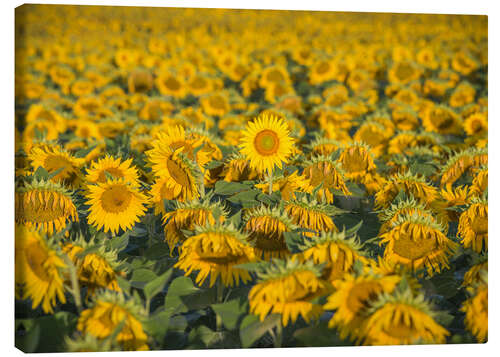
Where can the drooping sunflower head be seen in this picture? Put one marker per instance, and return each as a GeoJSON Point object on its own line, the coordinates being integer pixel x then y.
{"type": "Point", "coordinates": [309, 213]}
{"type": "Point", "coordinates": [374, 134]}
{"type": "Point", "coordinates": [44, 205]}
{"type": "Point", "coordinates": [417, 241]}
{"type": "Point", "coordinates": [352, 297]}
{"type": "Point", "coordinates": [461, 162]}
{"type": "Point", "coordinates": [357, 160]}
{"type": "Point", "coordinates": [480, 181]}
{"type": "Point", "coordinates": [325, 171]}
{"type": "Point", "coordinates": [288, 288]}
{"type": "Point", "coordinates": [115, 204]}
{"type": "Point", "coordinates": [267, 143]}
{"type": "Point", "coordinates": [107, 311]}
{"type": "Point", "coordinates": [188, 215]}
{"type": "Point", "coordinates": [110, 167]}
{"type": "Point", "coordinates": [412, 185]}
{"type": "Point", "coordinates": [287, 184]}
{"type": "Point", "coordinates": [408, 206]}
{"type": "Point", "coordinates": [215, 250]}
{"type": "Point", "coordinates": [237, 168]}
{"type": "Point", "coordinates": [39, 269]}
{"type": "Point", "coordinates": [54, 160]}
{"type": "Point", "coordinates": [321, 145]}
{"type": "Point", "coordinates": [265, 227]}
{"type": "Point", "coordinates": [473, 225]}
{"type": "Point", "coordinates": [337, 250]}
{"type": "Point", "coordinates": [402, 318]}
{"type": "Point", "coordinates": [96, 270]}
{"type": "Point", "coordinates": [476, 308]}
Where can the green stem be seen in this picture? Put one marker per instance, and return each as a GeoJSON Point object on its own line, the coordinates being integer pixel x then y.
{"type": "Point", "coordinates": [75, 288]}
{"type": "Point", "coordinates": [270, 183]}
{"type": "Point", "coordinates": [279, 336]}
{"type": "Point", "coordinates": [220, 296]}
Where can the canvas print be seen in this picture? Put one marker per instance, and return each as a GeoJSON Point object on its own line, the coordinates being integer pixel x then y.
{"type": "Point", "coordinates": [215, 178]}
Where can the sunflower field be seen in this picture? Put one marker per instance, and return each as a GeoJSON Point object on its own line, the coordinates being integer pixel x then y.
{"type": "Point", "coordinates": [211, 178]}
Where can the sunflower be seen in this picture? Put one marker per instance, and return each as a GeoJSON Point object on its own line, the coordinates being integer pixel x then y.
{"type": "Point", "coordinates": [44, 205]}
{"type": "Point", "coordinates": [323, 170]}
{"type": "Point", "coordinates": [442, 120]}
{"type": "Point", "coordinates": [322, 71]}
{"type": "Point", "coordinates": [273, 74]}
{"type": "Point", "coordinates": [140, 81]}
{"type": "Point", "coordinates": [159, 192]}
{"type": "Point", "coordinates": [310, 214]}
{"type": "Point", "coordinates": [114, 169]}
{"type": "Point", "coordinates": [375, 135]}
{"type": "Point", "coordinates": [155, 108]}
{"type": "Point", "coordinates": [266, 143]}
{"type": "Point", "coordinates": [216, 250]}
{"type": "Point", "coordinates": [473, 276]}
{"type": "Point", "coordinates": [463, 63]}
{"type": "Point", "coordinates": [351, 298]}
{"type": "Point", "coordinates": [87, 129]}
{"type": "Point", "coordinates": [287, 184]}
{"type": "Point", "coordinates": [473, 225]}
{"type": "Point", "coordinates": [461, 162]}
{"type": "Point", "coordinates": [357, 161]}
{"type": "Point", "coordinates": [417, 242]}
{"type": "Point", "coordinates": [451, 198]}
{"type": "Point", "coordinates": [408, 206]}
{"type": "Point", "coordinates": [115, 204]}
{"type": "Point", "coordinates": [38, 270]}
{"type": "Point", "coordinates": [169, 84]}
{"type": "Point", "coordinates": [476, 309]}
{"type": "Point", "coordinates": [44, 113]}
{"type": "Point", "coordinates": [404, 72]}
{"type": "Point", "coordinates": [215, 104]}
{"type": "Point", "coordinates": [476, 124]}
{"type": "Point", "coordinates": [411, 184]}
{"type": "Point", "coordinates": [54, 160]}
{"type": "Point", "coordinates": [174, 166]}
{"type": "Point", "coordinates": [199, 85]}
{"type": "Point", "coordinates": [337, 250]}
{"type": "Point", "coordinates": [402, 319]}
{"type": "Point", "coordinates": [237, 168]}
{"type": "Point", "coordinates": [324, 146]}
{"type": "Point", "coordinates": [480, 182]}
{"type": "Point", "coordinates": [265, 227]}
{"type": "Point", "coordinates": [189, 214]}
{"type": "Point", "coordinates": [106, 312]}
{"type": "Point", "coordinates": [288, 288]}
{"type": "Point", "coordinates": [404, 117]}
{"type": "Point", "coordinates": [95, 270]}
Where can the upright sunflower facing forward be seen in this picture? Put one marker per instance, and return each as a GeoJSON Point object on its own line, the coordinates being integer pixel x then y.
{"type": "Point", "coordinates": [114, 205]}
{"type": "Point", "coordinates": [267, 143]}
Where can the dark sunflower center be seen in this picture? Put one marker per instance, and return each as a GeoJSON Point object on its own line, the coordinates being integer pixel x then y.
{"type": "Point", "coordinates": [407, 248]}
{"type": "Point", "coordinates": [266, 142]}
{"type": "Point", "coordinates": [116, 199]}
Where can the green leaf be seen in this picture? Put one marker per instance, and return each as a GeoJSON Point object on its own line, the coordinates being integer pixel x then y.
{"type": "Point", "coordinates": [246, 198]}
{"type": "Point", "coordinates": [56, 172]}
{"type": "Point", "coordinates": [119, 243]}
{"type": "Point", "coordinates": [141, 277]}
{"type": "Point", "coordinates": [318, 336]}
{"type": "Point", "coordinates": [41, 174]}
{"type": "Point", "coordinates": [180, 286]}
{"type": "Point", "coordinates": [84, 152]}
{"type": "Point", "coordinates": [213, 164]}
{"type": "Point", "coordinates": [293, 241]}
{"type": "Point", "coordinates": [355, 190]}
{"type": "Point", "coordinates": [156, 286]}
{"type": "Point", "coordinates": [124, 284]}
{"type": "Point", "coordinates": [236, 219]}
{"type": "Point", "coordinates": [229, 188]}
{"type": "Point", "coordinates": [204, 334]}
{"type": "Point", "coordinates": [28, 341]}
{"type": "Point", "coordinates": [53, 329]}
{"type": "Point", "coordinates": [158, 324]}
{"type": "Point", "coordinates": [231, 312]}
{"type": "Point", "coordinates": [251, 328]}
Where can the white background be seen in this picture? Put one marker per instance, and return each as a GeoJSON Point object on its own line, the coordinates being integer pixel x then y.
{"type": "Point", "coordinates": [477, 7]}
